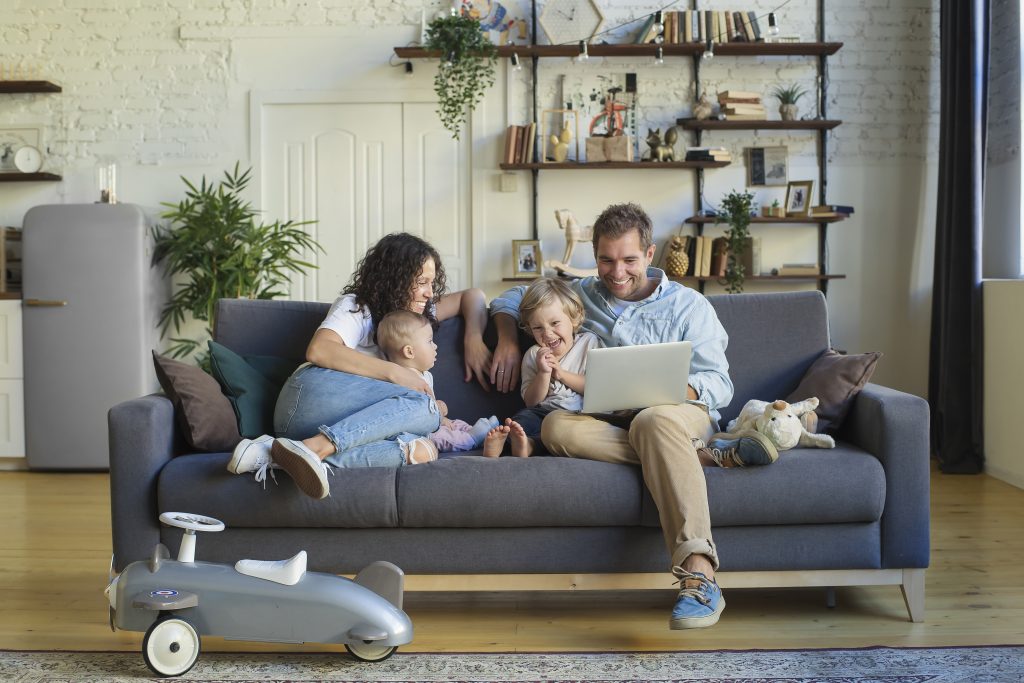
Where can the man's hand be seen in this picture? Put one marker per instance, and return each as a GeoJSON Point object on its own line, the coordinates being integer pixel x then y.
{"type": "Point", "coordinates": [505, 366]}
{"type": "Point", "coordinates": [478, 362]}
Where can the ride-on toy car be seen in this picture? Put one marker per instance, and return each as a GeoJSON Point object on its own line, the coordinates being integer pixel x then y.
{"type": "Point", "coordinates": [177, 601]}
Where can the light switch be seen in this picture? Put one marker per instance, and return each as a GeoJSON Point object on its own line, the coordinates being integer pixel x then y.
{"type": "Point", "coordinates": [509, 182]}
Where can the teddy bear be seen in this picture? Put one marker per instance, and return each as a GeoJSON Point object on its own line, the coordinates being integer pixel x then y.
{"type": "Point", "coordinates": [787, 424]}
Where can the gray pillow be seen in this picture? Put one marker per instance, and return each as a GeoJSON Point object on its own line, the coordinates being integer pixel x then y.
{"type": "Point", "coordinates": [835, 379]}
{"type": "Point", "coordinates": [204, 413]}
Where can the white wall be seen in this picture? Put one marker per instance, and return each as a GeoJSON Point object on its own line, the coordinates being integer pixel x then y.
{"type": "Point", "coordinates": [164, 85]}
{"type": "Point", "coordinates": [1004, 376]}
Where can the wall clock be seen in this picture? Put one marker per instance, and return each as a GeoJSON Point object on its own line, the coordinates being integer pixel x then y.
{"type": "Point", "coordinates": [566, 22]}
{"type": "Point", "coordinates": [28, 159]}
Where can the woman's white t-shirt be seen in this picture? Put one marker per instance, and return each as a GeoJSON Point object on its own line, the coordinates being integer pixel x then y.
{"type": "Point", "coordinates": [354, 324]}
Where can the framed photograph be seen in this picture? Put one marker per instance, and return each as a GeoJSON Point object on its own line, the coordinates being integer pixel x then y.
{"type": "Point", "coordinates": [767, 166]}
{"type": "Point", "coordinates": [14, 137]}
{"type": "Point", "coordinates": [798, 197]}
{"type": "Point", "coordinates": [526, 258]}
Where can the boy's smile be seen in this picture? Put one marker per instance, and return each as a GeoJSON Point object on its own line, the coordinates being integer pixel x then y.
{"type": "Point", "coordinates": [552, 329]}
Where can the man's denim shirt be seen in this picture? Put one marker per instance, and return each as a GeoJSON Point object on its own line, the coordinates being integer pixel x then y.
{"type": "Point", "coordinates": [671, 313]}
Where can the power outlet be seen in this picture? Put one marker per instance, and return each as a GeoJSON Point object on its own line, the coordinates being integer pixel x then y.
{"type": "Point", "coordinates": [509, 182]}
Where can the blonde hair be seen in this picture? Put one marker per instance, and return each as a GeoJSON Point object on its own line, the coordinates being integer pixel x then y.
{"type": "Point", "coordinates": [396, 329]}
{"type": "Point", "coordinates": [547, 290]}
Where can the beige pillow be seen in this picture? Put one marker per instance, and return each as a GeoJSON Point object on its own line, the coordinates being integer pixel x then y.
{"type": "Point", "coordinates": [835, 379]}
{"type": "Point", "coordinates": [204, 413]}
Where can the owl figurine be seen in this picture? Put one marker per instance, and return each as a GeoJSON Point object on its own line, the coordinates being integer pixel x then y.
{"type": "Point", "coordinates": [676, 260]}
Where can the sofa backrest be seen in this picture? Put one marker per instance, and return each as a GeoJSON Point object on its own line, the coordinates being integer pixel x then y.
{"type": "Point", "coordinates": [773, 339]}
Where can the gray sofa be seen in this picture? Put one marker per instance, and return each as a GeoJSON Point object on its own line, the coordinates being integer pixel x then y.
{"type": "Point", "coordinates": [855, 515]}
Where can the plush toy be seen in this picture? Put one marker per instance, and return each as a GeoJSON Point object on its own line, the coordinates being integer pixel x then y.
{"type": "Point", "coordinates": [787, 425]}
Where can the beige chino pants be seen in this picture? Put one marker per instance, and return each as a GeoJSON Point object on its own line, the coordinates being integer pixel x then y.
{"type": "Point", "coordinates": [659, 441]}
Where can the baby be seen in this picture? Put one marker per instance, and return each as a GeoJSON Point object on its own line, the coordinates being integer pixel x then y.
{"type": "Point", "coordinates": [407, 339]}
{"type": "Point", "coordinates": [553, 370]}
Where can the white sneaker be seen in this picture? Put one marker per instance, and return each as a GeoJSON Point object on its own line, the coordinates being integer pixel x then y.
{"type": "Point", "coordinates": [250, 454]}
{"type": "Point", "coordinates": [305, 468]}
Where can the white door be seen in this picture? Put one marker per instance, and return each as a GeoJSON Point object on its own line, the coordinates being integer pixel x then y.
{"type": "Point", "coordinates": [362, 170]}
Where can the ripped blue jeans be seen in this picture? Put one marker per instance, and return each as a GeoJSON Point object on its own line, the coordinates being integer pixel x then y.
{"type": "Point", "coordinates": [366, 419]}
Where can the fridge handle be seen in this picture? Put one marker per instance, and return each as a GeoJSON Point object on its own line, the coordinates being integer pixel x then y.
{"type": "Point", "coordinates": [45, 302]}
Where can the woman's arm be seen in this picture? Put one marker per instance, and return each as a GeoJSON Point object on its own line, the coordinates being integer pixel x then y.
{"type": "Point", "coordinates": [327, 350]}
{"type": "Point", "coordinates": [472, 304]}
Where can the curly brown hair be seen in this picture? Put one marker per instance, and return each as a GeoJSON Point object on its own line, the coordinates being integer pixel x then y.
{"type": "Point", "coordinates": [387, 272]}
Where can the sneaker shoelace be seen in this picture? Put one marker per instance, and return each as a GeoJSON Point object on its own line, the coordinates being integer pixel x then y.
{"type": "Point", "coordinates": [724, 457]}
{"type": "Point", "coordinates": [265, 464]}
{"type": "Point", "coordinates": [696, 587]}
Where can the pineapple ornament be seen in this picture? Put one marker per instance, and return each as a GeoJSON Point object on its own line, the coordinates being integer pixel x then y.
{"type": "Point", "coordinates": [676, 260]}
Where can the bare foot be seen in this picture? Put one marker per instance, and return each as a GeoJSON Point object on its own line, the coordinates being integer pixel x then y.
{"type": "Point", "coordinates": [494, 442]}
{"type": "Point", "coordinates": [522, 445]}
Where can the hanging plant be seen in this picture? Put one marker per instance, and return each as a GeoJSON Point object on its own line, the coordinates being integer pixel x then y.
{"type": "Point", "coordinates": [736, 208]}
{"type": "Point", "coordinates": [467, 67]}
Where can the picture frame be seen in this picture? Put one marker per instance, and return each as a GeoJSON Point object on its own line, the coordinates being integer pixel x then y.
{"type": "Point", "coordinates": [12, 137]}
{"type": "Point", "coordinates": [767, 166]}
{"type": "Point", "coordinates": [798, 197]}
{"type": "Point", "coordinates": [526, 259]}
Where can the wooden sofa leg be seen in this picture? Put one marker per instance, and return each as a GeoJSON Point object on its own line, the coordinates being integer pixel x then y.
{"type": "Point", "coordinates": [913, 593]}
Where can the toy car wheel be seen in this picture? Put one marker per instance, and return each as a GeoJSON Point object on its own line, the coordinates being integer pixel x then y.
{"type": "Point", "coordinates": [171, 646]}
{"type": "Point", "coordinates": [370, 652]}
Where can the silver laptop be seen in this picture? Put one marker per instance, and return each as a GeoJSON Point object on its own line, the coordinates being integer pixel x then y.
{"type": "Point", "coordinates": [635, 377]}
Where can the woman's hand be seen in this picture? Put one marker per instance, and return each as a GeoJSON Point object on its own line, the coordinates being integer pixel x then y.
{"type": "Point", "coordinates": [409, 378]}
{"type": "Point", "coordinates": [478, 361]}
{"type": "Point", "coordinates": [505, 366]}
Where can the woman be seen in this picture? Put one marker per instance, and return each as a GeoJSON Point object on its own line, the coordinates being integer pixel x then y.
{"type": "Point", "coordinates": [349, 406]}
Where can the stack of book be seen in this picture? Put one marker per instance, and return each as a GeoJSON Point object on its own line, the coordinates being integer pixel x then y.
{"type": "Point", "coordinates": [708, 154]}
{"type": "Point", "coordinates": [800, 269]}
{"type": "Point", "coordinates": [701, 26]}
{"type": "Point", "coordinates": [709, 257]}
{"type": "Point", "coordinates": [831, 211]}
{"type": "Point", "coordinates": [519, 144]}
{"type": "Point", "coordinates": [741, 105]}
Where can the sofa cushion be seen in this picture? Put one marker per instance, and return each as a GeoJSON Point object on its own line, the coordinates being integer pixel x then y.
{"type": "Point", "coordinates": [835, 379]}
{"type": "Point", "coordinates": [805, 486]}
{"type": "Point", "coordinates": [473, 491]}
{"type": "Point", "coordinates": [204, 413]}
{"type": "Point", "coordinates": [252, 384]}
{"type": "Point", "coordinates": [199, 483]}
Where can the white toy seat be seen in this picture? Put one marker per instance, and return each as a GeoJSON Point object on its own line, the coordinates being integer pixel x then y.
{"type": "Point", "coordinates": [287, 572]}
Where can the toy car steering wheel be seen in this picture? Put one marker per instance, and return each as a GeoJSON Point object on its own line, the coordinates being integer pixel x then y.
{"type": "Point", "coordinates": [191, 524]}
{"type": "Point", "coordinates": [187, 520]}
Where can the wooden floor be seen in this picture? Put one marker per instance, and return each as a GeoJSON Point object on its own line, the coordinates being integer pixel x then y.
{"type": "Point", "coordinates": [55, 554]}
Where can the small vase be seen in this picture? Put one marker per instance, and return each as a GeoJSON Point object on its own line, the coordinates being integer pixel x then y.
{"type": "Point", "coordinates": [788, 112]}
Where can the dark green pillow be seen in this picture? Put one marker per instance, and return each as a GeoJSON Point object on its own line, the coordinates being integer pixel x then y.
{"type": "Point", "coordinates": [251, 384]}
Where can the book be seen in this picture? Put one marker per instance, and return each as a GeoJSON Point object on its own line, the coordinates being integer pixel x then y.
{"type": "Point", "coordinates": [800, 269]}
{"type": "Point", "coordinates": [832, 208]}
{"type": "Point", "coordinates": [698, 258]}
{"type": "Point", "coordinates": [520, 142]}
{"type": "Point", "coordinates": [719, 257]}
{"type": "Point", "coordinates": [737, 22]}
{"type": "Point", "coordinates": [510, 144]}
{"type": "Point", "coordinates": [730, 31]}
{"type": "Point", "coordinates": [531, 135]}
{"type": "Point", "coordinates": [744, 109]}
{"type": "Point", "coordinates": [748, 27]}
{"type": "Point", "coordinates": [756, 26]}
{"type": "Point", "coordinates": [705, 267]}
{"type": "Point", "coordinates": [691, 254]}
{"type": "Point", "coordinates": [739, 95]}
{"type": "Point", "coordinates": [697, 28]}
{"type": "Point", "coordinates": [709, 26]}
{"type": "Point", "coordinates": [746, 117]}
{"type": "Point", "coordinates": [687, 25]}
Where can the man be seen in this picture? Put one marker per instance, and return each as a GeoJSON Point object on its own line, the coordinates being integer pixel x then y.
{"type": "Point", "coordinates": [628, 303]}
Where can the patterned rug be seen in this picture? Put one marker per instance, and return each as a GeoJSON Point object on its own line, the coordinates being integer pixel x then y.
{"type": "Point", "coordinates": [871, 665]}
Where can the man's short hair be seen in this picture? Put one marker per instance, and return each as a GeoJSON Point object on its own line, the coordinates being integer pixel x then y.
{"type": "Point", "coordinates": [550, 290]}
{"type": "Point", "coordinates": [618, 219]}
{"type": "Point", "coordinates": [396, 329]}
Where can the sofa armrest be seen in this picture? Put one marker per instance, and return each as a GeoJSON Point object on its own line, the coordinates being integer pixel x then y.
{"type": "Point", "coordinates": [141, 443]}
{"type": "Point", "coordinates": [893, 426]}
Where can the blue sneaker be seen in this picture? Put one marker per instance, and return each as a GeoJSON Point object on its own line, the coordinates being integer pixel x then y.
{"type": "Point", "coordinates": [742, 449]}
{"type": "Point", "coordinates": [700, 602]}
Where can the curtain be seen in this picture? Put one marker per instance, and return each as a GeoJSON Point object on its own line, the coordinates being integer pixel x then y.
{"type": "Point", "coordinates": [955, 363]}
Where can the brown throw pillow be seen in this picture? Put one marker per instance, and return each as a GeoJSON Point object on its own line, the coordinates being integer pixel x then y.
{"type": "Point", "coordinates": [204, 413]}
{"type": "Point", "coordinates": [835, 379]}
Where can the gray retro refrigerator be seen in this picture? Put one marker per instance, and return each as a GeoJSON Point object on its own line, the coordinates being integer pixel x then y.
{"type": "Point", "coordinates": [90, 303]}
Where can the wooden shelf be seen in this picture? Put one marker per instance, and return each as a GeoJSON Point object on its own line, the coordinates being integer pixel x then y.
{"type": "Point", "coordinates": [715, 124]}
{"type": "Point", "coordinates": [27, 177]}
{"type": "Point", "coordinates": [632, 50]}
{"type": "Point", "coordinates": [12, 295]}
{"type": "Point", "coordinates": [28, 86]}
{"type": "Point", "coordinates": [613, 165]}
{"type": "Point", "coordinates": [704, 220]}
{"type": "Point", "coordinates": [813, 278]}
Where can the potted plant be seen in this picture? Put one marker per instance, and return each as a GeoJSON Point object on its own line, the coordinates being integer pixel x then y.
{"type": "Point", "coordinates": [788, 97]}
{"type": "Point", "coordinates": [773, 211]}
{"type": "Point", "coordinates": [467, 67]}
{"type": "Point", "coordinates": [736, 208]}
{"type": "Point", "coordinates": [215, 247]}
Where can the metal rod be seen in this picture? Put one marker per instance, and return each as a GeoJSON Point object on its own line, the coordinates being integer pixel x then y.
{"type": "Point", "coordinates": [822, 147]}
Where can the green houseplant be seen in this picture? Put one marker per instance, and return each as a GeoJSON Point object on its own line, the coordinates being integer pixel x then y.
{"type": "Point", "coordinates": [736, 208]}
{"type": "Point", "coordinates": [468, 60]}
{"type": "Point", "coordinates": [788, 97]}
{"type": "Point", "coordinates": [215, 247]}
